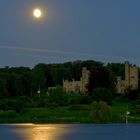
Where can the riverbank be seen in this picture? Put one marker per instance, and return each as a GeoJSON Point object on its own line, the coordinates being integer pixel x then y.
{"type": "Point", "coordinates": [75, 114]}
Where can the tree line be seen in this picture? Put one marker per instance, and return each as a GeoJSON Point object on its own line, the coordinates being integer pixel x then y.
{"type": "Point", "coordinates": [19, 88]}
{"type": "Point", "coordinates": [25, 81]}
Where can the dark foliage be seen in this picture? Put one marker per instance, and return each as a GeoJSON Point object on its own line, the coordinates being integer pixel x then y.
{"type": "Point", "coordinates": [24, 81]}
{"type": "Point", "coordinates": [102, 94]}
{"type": "Point", "coordinates": [132, 94]}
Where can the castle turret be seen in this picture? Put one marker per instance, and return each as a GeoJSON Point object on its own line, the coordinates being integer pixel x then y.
{"type": "Point", "coordinates": [127, 74]}
{"type": "Point", "coordinates": [131, 79]}
{"type": "Point", "coordinates": [85, 78]}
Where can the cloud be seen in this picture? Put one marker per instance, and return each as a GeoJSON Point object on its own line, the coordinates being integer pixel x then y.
{"type": "Point", "coordinates": [45, 50]}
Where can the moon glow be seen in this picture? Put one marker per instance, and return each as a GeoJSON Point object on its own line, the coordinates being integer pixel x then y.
{"type": "Point", "coordinates": [37, 13]}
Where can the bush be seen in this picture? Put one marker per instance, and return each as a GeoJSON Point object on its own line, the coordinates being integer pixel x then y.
{"type": "Point", "coordinates": [117, 118]}
{"type": "Point", "coordinates": [39, 101]}
{"type": "Point", "coordinates": [74, 98]}
{"type": "Point", "coordinates": [100, 112]}
{"type": "Point", "coordinates": [121, 98]}
{"type": "Point", "coordinates": [132, 94]}
{"type": "Point", "coordinates": [52, 105]}
{"type": "Point", "coordinates": [58, 96]}
{"type": "Point", "coordinates": [2, 114]}
{"type": "Point", "coordinates": [26, 100]}
{"type": "Point", "coordinates": [8, 114]}
{"type": "Point", "coordinates": [13, 104]}
{"type": "Point", "coordinates": [79, 107]}
{"type": "Point", "coordinates": [136, 107]}
{"type": "Point", "coordinates": [78, 98]}
{"type": "Point", "coordinates": [102, 94]}
{"type": "Point", "coordinates": [3, 104]}
{"type": "Point", "coordinates": [85, 100]}
{"type": "Point", "coordinates": [11, 113]}
{"type": "Point", "coordinates": [20, 107]}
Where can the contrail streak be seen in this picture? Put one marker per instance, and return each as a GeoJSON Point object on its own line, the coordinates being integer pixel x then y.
{"type": "Point", "coordinates": [61, 52]}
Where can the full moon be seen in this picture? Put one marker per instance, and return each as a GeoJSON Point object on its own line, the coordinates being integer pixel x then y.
{"type": "Point", "coordinates": [37, 13]}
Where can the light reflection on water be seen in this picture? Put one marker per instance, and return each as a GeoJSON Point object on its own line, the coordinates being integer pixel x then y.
{"type": "Point", "coordinates": [69, 132]}
{"type": "Point", "coordinates": [40, 132]}
{"type": "Point", "coordinates": [46, 133]}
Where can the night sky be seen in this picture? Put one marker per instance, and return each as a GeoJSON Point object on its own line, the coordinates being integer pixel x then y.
{"type": "Point", "coordinates": [102, 30]}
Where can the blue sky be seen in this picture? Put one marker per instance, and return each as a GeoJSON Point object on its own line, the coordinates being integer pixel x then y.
{"type": "Point", "coordinates": [102, 30]}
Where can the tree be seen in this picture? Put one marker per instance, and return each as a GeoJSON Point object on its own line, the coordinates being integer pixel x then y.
{"type": "Point", "coordinates": [38, 79]}
{"type": "Point", "coordinates": [23, 84]}
{"type": "Point", "coordinates": [58, 96]}
{"type": "Point", "coordinates": [132, 94]}
{"type": "Point", "coordinates": [118, 69]}
{"type": "Point", "coordinates": [102, 94]}
{"type": "Point", "coordinates": [100, 112]}
{"type": "Point", "coordinates": [3, 89]}
{"type": "Point", "coordinates": [99, 77]}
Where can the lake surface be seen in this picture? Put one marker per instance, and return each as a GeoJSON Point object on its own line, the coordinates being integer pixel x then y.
{"type": "Point", "coordinates": [70, 132]}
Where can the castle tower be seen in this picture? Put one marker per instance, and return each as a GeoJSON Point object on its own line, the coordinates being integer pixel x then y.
{"type": "Point", "coordinates": [131, 76]}
{"type": "Point", "coordinates": [119, 84]}
{"type": "Point", "coordinates": [85, 78]}
{"type": "Point", "coordinates": [127, 74]}
{"type": "Point", "coordinates": [131, 79]}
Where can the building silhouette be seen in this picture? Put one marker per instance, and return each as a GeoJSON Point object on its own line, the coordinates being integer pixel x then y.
{"type": "Point", "coordinates": [131, 79]}
{"type": "Point", "coordinates": [129, 83]}
{"type": "Point", "coordinates": [78, 86]}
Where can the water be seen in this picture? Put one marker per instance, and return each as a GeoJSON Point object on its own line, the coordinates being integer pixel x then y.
{"type": "Point", "coordinates": [70, 132]}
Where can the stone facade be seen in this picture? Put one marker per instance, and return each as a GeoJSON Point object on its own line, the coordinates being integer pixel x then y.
{"type": "Point", "coordinates": [77, 86]}
{"type": "Point", "coordinates": [131, 79]}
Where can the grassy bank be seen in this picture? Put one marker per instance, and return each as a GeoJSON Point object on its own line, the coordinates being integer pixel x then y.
{"type": "Point", "coordinates": [69, 115]}
{"type": "Point", "coordinates": [43, 115]}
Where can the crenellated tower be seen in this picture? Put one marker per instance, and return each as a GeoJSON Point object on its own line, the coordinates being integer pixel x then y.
{"type": "Point", "coordinates": [85, 78]}
{"type": "Point", "coordinates": [131, 79]}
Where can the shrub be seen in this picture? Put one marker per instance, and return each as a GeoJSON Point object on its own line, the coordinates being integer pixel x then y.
{"type": "Point", "coordinates": [79, 107]}
{"type": "Point", "coordinates": [20, 107]}
{"type": "Point", "coordinates": [8, 114]}
{"type": "Point", "coordinates": [132, 94]}
{"type": "Point", "coordinates": [13, 104]}
{"type": "Point", "coordinates": [26, 100]}
{"type": "Point", "coordinates": [78, 98]}
{"type": "Point", "coordinates": [85, 99]}
{"type": "Point", "coordinates": [102, 94]}
{"type": "Point", "coordinates": [100, 112]}
{"type": "Point", "coordinates": [121, 98]}
{"type": "Point", "coordinates": [2, 114]}
{"type": "Point", "coordinates": [136, 107]}
{"type": "Point", "coordinates": [58, 96]}
{"type": "Point", "coordinates": [117, 118]}
{"type": "Point", "coordinates": [52, 105]}
{"type": "Point", "coordinates": [3, 104]}
{"type": "Point", "coordinates": [39, 101]}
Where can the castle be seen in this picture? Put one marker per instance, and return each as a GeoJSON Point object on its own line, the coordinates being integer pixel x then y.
{"type": "Point", "coordinates": [78, 86]}
{"type": "Point", "coordinates": [131, 79]}
{"type": "Point", "coordinates": [130, 82]}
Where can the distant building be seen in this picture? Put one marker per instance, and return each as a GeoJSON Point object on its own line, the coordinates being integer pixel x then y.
{"type": "Point", "coordinates": [78, 86]}
{"type": "Point", "coordinates": [131, 79]}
